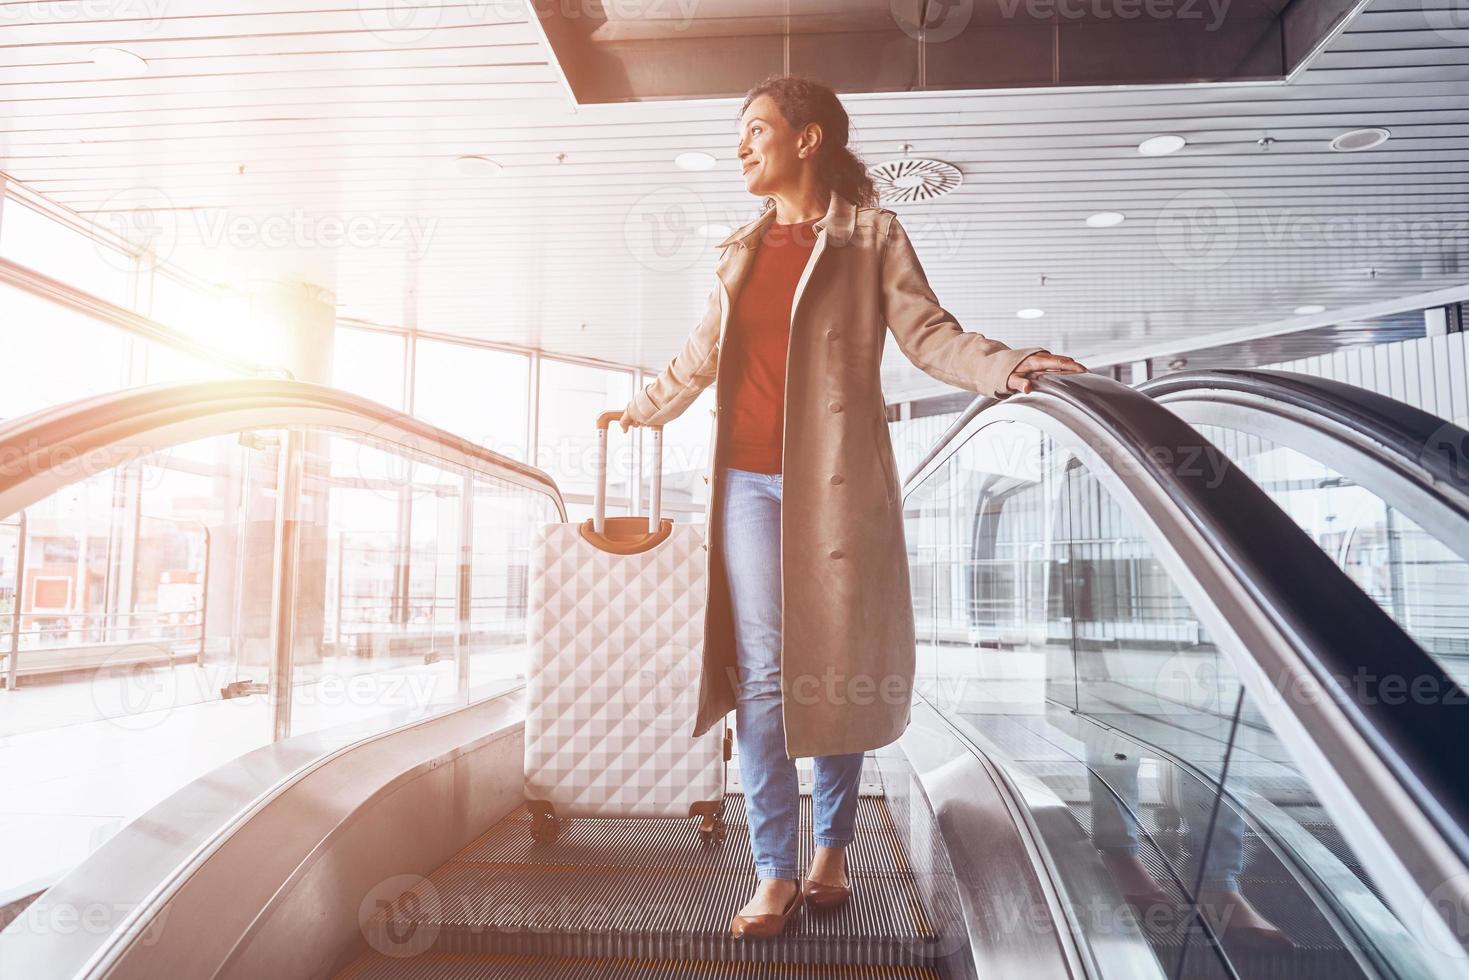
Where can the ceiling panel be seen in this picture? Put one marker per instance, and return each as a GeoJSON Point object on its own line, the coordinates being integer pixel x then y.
{"type": "Point", "coordinates": [261, 128]}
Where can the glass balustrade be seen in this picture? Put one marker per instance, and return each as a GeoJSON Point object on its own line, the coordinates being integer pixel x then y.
{"type": "Point", "coordinates": [1175, 820]}
{"type": "Point", "coordinates": [145, 606]}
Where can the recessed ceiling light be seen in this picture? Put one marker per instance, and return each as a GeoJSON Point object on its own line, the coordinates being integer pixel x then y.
{"type": "Point", "coordinates": [1360, 139]}
{"type": "Point", "coordinates": [695, 160]}
{"type": "Point", "coordinates": [715, 231]}
{"type": "Point", "coordinates": [1157, 146]}
{"type": "Point", "coordinates": [1030, 313]}
{"type": "Point", "coordinates": [1106, 219]}
{"type": "Point", "coordinates": [1309, 309]}
{"type": "Point", "coordinates": [476, 166]}
{"type": "Point", "coordinates": [118, 63]}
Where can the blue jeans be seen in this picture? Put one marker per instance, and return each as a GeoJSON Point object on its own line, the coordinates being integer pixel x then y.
{"type": "Point", "coordinates": [750, 530]}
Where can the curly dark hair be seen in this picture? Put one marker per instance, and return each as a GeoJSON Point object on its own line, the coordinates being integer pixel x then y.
{"type": "Point", "coordinates": [804, 100]}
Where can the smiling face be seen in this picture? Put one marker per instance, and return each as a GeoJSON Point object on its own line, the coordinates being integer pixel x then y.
{"type": "Point", "coordinates": [770, 148]}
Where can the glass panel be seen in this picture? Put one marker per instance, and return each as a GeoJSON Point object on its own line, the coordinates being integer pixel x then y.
{"type": "Point", "coordinates": [1413, 576]}
{"type": "Point", "coordinates": [136, 618]}
{"type": "Point", "coordinates": [390, 624]}
{"type": "Point", "coordinates": [143, 623]}
{"type": "Point", "coordinates": [1276, 858]}
{"type": "Point", "coordinates": [61, 252]}
{"type": "Point", "coordinates": [977, 537]}
{"type": "Point", "coordinates": [474, 392]}
{"type": "Point", "coordinates": [504, 519]}
{"type": "Point", "coordinates": [1048, 625]}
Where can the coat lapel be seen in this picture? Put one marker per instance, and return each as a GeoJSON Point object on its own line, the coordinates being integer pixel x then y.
{"type": "Point", "coordinates": [835, 227]}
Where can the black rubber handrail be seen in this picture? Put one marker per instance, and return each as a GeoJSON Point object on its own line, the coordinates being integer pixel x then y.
{"type": "Point", "coordinates": [1438, 446]}
{"type": "Point", "coordinates": [1340, 634]}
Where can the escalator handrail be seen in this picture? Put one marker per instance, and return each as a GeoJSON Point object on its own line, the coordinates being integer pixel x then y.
{"type": "Point", "coordinates": [1437, 446]}
{"type": "Point", "coordinates": [1336, 631]}
{"type": "Point", "coordinates": [70, 442]}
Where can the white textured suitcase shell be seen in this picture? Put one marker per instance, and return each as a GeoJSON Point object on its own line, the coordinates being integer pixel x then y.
{"type": "Point", "coordinates": [615, 648]}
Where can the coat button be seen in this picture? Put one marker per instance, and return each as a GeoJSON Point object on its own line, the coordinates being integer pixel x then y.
{"type": "Point", "coordinates": [835, 406]}
{"type": "Point", "coordinates": [837, 553]}
{"type": "Point", "coordinates": [831, 335]}
{"type": "Point", "coordinates": [836, 478]}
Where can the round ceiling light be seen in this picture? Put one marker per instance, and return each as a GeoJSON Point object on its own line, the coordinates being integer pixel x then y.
{"type": "Point", "coordinates": [476, 166]}
{"type": "Point", "coordinates": [1157, 146]}
{"type": "Point", "coordinates": [1309, 309]}
{"type": "Point", "coordinates": [118, 63]}
{"type": "Point", "coordinates": [914, 179]}
{"type": "Point", "coordinates": [1030, 313]}
{"type": "Point", "coordinates": [1356, 140]}
{"type": "Point", "coordinates": [1106, 219]}
{"type": "Point", "coordinates": [695, 160]}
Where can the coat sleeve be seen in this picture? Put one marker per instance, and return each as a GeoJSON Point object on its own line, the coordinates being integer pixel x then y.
{"type": "Point", "coordinates": [691, 371]}
{"type": "Point", "coordinates": [929, 335]}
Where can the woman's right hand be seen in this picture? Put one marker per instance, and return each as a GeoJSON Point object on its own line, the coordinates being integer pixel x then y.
{"type": "Point", "coordinates": [626, 420]}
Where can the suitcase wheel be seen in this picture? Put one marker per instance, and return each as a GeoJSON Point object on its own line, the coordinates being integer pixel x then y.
{"type": "Point", "coordinates": [712, 830]}
{"type": "Point", "coordinates": [545, 829]}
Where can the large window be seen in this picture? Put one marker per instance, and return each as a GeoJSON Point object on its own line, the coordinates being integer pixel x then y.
{"type": "Point", "coordinates": [473, 392]}
{"type": "Point", "coordinates": [53, 355]}
{"type": "Point", "coordinates": [49, 247]}
{"type": "Point", "coordinates": [370, 364]}
{"type": "Point", "coordinates": [571, 398]}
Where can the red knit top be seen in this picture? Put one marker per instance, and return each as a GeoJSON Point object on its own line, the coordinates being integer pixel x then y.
{"type": "Point", "coordinates": [755, 348]}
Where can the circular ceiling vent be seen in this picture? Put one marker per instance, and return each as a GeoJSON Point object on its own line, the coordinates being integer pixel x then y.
{"type": "Point", "coordinates": [914, 179]}
{"type": "Point", "coordinates": [1360, 139]}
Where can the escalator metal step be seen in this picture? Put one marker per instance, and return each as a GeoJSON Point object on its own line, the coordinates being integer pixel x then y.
{"type": "Point", "coordinates": [450, 966]}
{"type": "Point", "coordinates": [645, 890]}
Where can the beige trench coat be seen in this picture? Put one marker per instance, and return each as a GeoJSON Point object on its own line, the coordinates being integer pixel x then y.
{"type": "Point", "coordinates": [847, 647]}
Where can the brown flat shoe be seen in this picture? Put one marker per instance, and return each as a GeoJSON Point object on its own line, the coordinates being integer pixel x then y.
{"type": "Point", "coordinates": [765, 926]}
{"type": "Point", "coordinates": [822, 896]}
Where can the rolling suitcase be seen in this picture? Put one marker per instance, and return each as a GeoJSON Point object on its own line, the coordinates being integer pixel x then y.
{"type": "Point", "coordinates": [616, 624]}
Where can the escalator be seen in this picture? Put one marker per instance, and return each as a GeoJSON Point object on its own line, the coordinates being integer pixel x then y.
{"type": "Point", "coordinates": [1164, 764]}
{"type": "Point", "coordinates": [1381, 485]}
{"type": "Point", "coordinates": [1145, 693]}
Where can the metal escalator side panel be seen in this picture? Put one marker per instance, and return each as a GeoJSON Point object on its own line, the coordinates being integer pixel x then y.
{"type": "Point", "coordinates": [1303, 634]}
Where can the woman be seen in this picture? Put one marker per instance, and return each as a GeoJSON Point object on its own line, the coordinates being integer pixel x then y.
{"type": "Point", "coordinates": [809, 626]}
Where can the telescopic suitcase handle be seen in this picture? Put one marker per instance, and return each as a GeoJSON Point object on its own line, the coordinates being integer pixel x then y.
{"type": "Point", "coordinates": [599, 513]}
